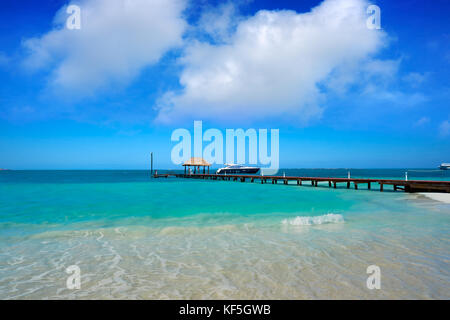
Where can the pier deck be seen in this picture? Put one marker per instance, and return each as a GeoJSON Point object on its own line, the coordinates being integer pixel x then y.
{"type": "Point", "coordinates": [404, 185]}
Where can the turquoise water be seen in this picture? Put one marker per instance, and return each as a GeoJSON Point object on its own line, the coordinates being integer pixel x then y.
{"type": "Point", "coordinates": [139, 238]}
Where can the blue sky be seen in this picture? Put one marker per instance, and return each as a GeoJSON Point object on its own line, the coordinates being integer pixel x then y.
{"type": "Point", "coordinates": [342, 95]}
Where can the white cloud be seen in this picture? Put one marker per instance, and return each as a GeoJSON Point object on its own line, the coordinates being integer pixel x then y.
{"type": "Point", "coordinates": [422, 121]}
{"type": "Point", "coordinates": [444, 128]}
{"type": "Point", "coordinates": [371, 75]}
{"type": "Point", "coordinates": [385, 69]}
{"type": "Point", "coordinates": [219, 22]}
{"type": "Point", "coordinates": [116, 40]}
{"type": "Point", "coordinates": [415, 79]}
{"type": "Point", "coordinates": [273, 64]}
{"type": "Point", "coordinates": [395, 97]}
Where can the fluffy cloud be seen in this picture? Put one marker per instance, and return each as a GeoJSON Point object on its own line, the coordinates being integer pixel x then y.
{"type": "Point", "coordinates": [273, 64]}
{"type": "Point", "coordinates": [370, 75]}
{"type": "Point", "coordinates": [116, 40]}
{"type": "Point", "coordinates": [219, 22]}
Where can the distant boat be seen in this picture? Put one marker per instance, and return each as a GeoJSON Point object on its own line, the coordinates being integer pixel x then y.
{"type": "Point", "coordinates": [445, 166]}
{"type": "Point", "coordinates": [236, 168]}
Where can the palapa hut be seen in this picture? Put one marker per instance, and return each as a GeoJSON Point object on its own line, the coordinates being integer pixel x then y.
{"type": "Point", "coordinates": [196, 163]}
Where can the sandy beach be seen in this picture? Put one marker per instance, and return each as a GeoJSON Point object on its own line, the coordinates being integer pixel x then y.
{"type": "Point", "coordinates": [442, 197]}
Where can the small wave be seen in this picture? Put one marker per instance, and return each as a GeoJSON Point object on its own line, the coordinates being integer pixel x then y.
{"type": "Point", "coordinates": [309, 221]}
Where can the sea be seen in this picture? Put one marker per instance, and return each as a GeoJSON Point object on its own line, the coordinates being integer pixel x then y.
{"type": "Point", "coordinates": [131, 236]}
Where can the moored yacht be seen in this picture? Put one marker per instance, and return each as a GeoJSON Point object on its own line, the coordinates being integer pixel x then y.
{"type": "Point", "coordinates": [236, 169]}
{"type": "Point", "coordinates": [445, 166]}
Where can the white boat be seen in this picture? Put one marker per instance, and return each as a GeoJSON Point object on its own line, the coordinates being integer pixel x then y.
{"type": "Point", "coordinates": [236, 169]}
{"type": "Point", "coordinates": [445, 166]}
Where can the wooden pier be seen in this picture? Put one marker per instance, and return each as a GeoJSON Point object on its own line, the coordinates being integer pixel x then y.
{"type": "Point", "coordinates": [404, 185]}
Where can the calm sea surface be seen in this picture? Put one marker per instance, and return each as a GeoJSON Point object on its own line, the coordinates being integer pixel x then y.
{"type": "Point", "coordinates": [139, 238]}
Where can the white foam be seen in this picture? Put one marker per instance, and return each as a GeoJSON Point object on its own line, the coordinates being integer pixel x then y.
{"type": "Point", "coordinates": [308, 221]}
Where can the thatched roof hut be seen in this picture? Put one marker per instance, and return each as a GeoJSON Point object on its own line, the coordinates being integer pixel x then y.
{"type": "Point", "coordinates": [196, 162]}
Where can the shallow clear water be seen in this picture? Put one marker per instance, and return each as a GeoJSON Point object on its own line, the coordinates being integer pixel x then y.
{"type": "Point", "coordinates": [135, 237]}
